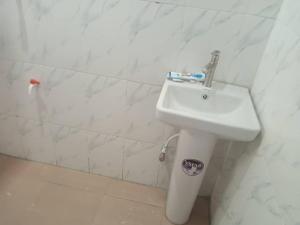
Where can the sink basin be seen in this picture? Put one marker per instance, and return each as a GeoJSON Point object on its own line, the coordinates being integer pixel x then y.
{"type": "Point", "coordinates": [227, 111]}
{"type": "Point", "coordinates": [203, 115]}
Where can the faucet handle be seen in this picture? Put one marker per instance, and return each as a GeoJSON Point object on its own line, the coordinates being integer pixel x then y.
{"type": "Point", "coordinates": [215, 53]}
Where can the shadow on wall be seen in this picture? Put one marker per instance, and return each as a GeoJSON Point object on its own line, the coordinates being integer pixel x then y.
{"type": "Point", "coordinates": [239, 161]}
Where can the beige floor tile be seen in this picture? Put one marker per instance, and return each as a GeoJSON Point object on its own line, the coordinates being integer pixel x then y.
{"type": "Point", "coordinates": [2, 158]}
{"type": "Point", "coordinates": [61, 205]}
{"type": "Point", "coordinates": [17, 199]}
{"type": "Point", "coordinates": [34, 194]}
{"type": "Point", "coordinates": [12, 215]}
{"type": "Point", "coordinates": [115, 211]}
{"type": "Point", "coordinates": [2, 164]}
{"type": "Point", "coordinates": [14, 168]}
{"type": "Point", "coordinates": [15, 173]}
{"type": "Point", "coordinates": [137, 192]}
{"type": "Point", "coordinates": [88, 182]}
{"type": "Point", "coordinates": [199, 216]}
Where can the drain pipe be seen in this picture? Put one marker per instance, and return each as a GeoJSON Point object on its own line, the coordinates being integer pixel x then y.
{"type": "Point", "coordinates": [162, 155]}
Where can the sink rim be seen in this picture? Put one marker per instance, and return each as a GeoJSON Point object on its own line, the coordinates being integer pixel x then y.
{"type": "Point", "coordinates": [238, 129]}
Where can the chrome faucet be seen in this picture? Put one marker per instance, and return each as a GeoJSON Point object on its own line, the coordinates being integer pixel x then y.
{"type": "Point", "coordinates": [211, 68]}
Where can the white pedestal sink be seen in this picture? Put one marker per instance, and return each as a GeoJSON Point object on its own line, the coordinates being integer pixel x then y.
{"type": "Point", "coordinates": [203, 115]}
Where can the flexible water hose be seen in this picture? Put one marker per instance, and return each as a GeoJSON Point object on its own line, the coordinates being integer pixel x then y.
{"type": "Point", "coordinates": [162, 155]}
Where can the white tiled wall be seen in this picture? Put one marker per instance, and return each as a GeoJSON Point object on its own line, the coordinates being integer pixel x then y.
{"type": "Point", "coordinates": [260, 183]}
{"type": "Point", "coordinates": [100, 64]}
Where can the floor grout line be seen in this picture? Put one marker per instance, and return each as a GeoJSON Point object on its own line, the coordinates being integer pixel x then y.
{"type": "Point", "coordinates": [132, 200]}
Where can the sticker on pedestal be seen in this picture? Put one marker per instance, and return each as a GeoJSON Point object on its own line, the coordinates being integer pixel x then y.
{"type": "Point", "coordinates": [192, 167]}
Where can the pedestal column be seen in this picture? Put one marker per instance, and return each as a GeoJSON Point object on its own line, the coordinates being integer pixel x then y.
{"type": "Point", "coordinates": [194, 150]}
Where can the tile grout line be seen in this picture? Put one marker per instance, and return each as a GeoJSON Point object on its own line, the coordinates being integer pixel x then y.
{"type": "Point", "coordinates": [102, 75]}
{"type": "Point", "coordinates": [78, 71]}
{"type": "Point", "coordinates": [135, 201]}
{"type": "Point", "coordinates": [96, 211]}
{"type": "Point", "coordinates": [82, 129]}
{"type": "Point", "coordinates": [184, 5]}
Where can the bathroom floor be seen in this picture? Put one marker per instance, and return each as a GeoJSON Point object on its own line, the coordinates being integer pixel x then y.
{"type": "Point", "coordinates": [34, 193]}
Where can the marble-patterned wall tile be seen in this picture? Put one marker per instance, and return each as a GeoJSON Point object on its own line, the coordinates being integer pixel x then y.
{"type": "Point", "coordinates": [242, 43]}
{"type": "Point", "coordinates": [126, 109]}
{"type": "Point", "coordinates": [290, 17]}
{"type": "Point", "coordinates": [6, 67]}
{"type": "Point", "coordinates": [126, 25]}
{"type": "Point", "coordinates": [107, 105]}
{"type": "Point", "coordinates": [11, 44]}
{"type": "Point", "coordinates": [123, 158]}
{"type": "Point", "coordinates": [65, 97]}
{"type": "Point", "coordinates": [86, 101]}
{"type": "Point", "coordinates": [251, 190]}
{"type": "Point", "coordinates": [140, 121]}
{"type": "Point", "coordinates": [265, 8]}
{"type": "Point", "coordinates": [35, 106]}
{"type": "Point", "coordinates": [282, 155]}
{"type": "Point", "coordinates": [248, 50]}
{"type": "Point", "coordinates": [84, 46]}
{"type": "Point", "coordinates": [131, 24]}
{"type": "Point", "coordinates": [10, 136]}
{"type": "Point", "coordinates": [71, 148]}
{"type": "Point", "coordinates": [106, 155]}
{"type": "Point", "coordinates": [226, 5]}
{"type": "Point", "coordinates": [154, 38]}
{"type": "Point", "coordinates": [38, 140]}
{"type": "Point", "coordinates": [14, 88]}
{"type": "Point", "coordinates": [283, 162]}
{"type": "Point", "coordinates": [141, 162]}
{"type": "Point", "coordinates": [271, 162]}
{"type": "Point", "coordinates": [10, 76]}
{"type": "Point", "coordinates": [176, 2]}
{"type": "Point", "coordinates": [266, 90]}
